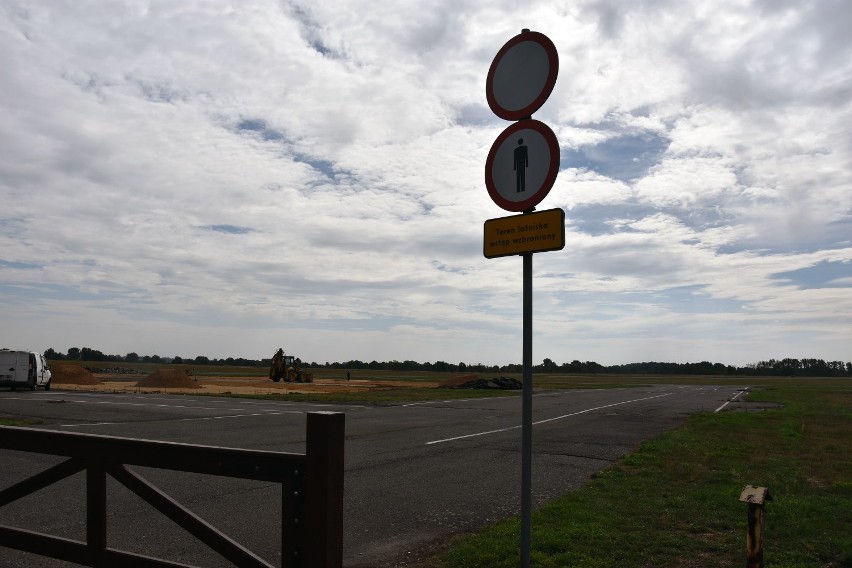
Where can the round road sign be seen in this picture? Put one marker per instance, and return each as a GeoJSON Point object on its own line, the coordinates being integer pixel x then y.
{"type": "Point", "coordinates": [522, 165]}
{"type": "Point", "coordinates": [522, 76]}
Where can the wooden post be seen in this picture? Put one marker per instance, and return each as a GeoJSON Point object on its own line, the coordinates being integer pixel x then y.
{"type": "Point", "coordinates": [324, 490]}
{"type": "Point", "coordinates": [755, 497]}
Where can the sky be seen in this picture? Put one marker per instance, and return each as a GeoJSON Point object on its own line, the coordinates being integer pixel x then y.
{"type": "Point", "coordinates": [225, 178]}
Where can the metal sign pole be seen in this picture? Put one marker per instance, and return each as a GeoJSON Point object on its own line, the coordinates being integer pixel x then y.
{"type": "Point", "coordinates": [520, 79]}
{"type": "Point", "coordinates": [526, 417]}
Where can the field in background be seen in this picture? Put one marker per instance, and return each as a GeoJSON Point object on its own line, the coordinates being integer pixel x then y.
{"type": "Point", "coordinates": [258, 372]}
{"type": "Point", "coordinates": [329, 385]}
{"type": "Point", "coordinates": [382, 387]}
{"type": "Point", "coordinates": [541, 380]}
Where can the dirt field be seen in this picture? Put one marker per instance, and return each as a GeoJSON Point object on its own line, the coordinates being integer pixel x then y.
{"type": "Point", "coordinates": [253, 385]}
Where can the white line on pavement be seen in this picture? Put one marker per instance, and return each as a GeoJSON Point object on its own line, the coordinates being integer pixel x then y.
{"type": "Point", "coordinates": [244, 415]}
{"type": "Point", "coordinates": [191, 419]}
{"type": "Point", "coordinates": [547, 419]}
{"type": "Point", "coordinates": [730, 401]}
{"type": "Point", "coordinates": [147, 404]}
{"type": "Point", "coordinates": [488, 398]}
{"type": "Point", "coordinates": [207, 400]}
{"type": "Point", "coordinates": [88, 424]}
{"type": "Point", "coordinates": [427, 402]}
{"type": "Point", "coordinates": [152, 405]}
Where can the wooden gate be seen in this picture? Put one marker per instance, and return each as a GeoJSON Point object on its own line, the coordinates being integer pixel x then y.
{"type": "Point", "coordinates": [312, 493]}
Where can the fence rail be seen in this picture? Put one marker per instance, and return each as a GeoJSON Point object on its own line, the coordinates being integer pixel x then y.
{"type": "Point", "coordinates": [312, 493]}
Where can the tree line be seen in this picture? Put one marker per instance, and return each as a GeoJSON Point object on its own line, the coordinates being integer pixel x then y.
{"type": "Point", "coordinates": [787, 367]}
{"type": "Point", "coordinates": [88, 354]}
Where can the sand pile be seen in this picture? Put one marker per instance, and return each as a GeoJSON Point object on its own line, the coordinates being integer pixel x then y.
{"type": "Point", "coordinates": [169, 378]}
{"type": "Point", "coordinates": [71, 375]}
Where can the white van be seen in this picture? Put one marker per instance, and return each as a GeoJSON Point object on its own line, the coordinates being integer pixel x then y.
{"type": "Point", "coordinates": [23, 369]}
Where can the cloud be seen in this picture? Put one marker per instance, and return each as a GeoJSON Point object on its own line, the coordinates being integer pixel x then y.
{"type": "Point", "coordinates": [313, 172]}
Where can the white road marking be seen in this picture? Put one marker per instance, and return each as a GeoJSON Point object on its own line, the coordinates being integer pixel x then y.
{"type": "Point", "coordinates": [489, 398]}
{"type": "Point", "coordinates": [152, 405]}
{"type": "Point", "coordinates": [245, 415]}
{"type": "Point", "coordinates": [547, 419]}
{"type": "Point", "coordinates": [72, 398]}
{"type": "Point", "coordinates": [68, 398]}
{"type": "Point", "coordinates": [732, 400]}
{"type": "Point", "coordinates": [426, 402]}
{"type": "Point", "coordinates": [276, 413]}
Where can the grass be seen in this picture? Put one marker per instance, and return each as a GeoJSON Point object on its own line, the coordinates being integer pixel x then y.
{"type": "Point", "coordinates": [674, 501]}
{"type": "Point", "coordinates": [19, 421]}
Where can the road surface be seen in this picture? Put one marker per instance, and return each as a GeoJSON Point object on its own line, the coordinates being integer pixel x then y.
{"type": "Point", "coordinates": [414, 473]}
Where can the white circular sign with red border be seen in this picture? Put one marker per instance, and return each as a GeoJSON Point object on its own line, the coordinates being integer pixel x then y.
{"type": "Point", "coordinates": [522, 76]}
{"type": "Point", "coordinates": [522, 165]}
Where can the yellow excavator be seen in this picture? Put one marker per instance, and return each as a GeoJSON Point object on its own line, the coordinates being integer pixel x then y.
{"type": "Point", "coordinates": [285, 367]}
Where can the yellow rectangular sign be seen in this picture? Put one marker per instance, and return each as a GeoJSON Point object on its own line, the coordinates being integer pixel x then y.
{"type": "Point", "coordinates": [521, 234]}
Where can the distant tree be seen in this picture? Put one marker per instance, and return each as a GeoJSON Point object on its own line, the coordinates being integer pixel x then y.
{"type": "Point", "coordinates": [74, 353]}
{"type": "Point", "coordinates": [53, 355]}
{"type": "Point", "coordinates": [88, 354]}
{"type": "Point", "coordinates": [202, 360]}
{"type": "Point", "coordinates": [156, 359]}
{"type": "Point", "coordinates": [177, 360]}
{"type": "Point", "coordinates": [132, 357]}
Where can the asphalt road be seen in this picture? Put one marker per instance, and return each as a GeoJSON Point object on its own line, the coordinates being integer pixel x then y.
{"type": "Point", "coordinates": [414, 473]}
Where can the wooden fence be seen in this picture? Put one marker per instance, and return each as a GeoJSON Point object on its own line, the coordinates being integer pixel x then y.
{"type": "Point", "coordinates": [312, 493]}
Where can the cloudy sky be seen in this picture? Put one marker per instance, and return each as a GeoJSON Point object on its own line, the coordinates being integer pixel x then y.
{"type": "Point", "coordinates": [223, 178]}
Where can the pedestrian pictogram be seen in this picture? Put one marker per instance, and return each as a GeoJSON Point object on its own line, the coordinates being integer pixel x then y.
{"type": "Point", "coordinates": [522, 162]}
{"type": "Point", "coordinates": [522, 165]}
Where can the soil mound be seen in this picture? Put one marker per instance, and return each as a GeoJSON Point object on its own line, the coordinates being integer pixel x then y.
{"type": "Point", "coordinates": [502, 383]}
{"type": "Point", "coordinates": [460, 380]}
{"type": "Point", "coordinates": [169, 378]}
{"type": "Point", "coordinates": [71, 375]}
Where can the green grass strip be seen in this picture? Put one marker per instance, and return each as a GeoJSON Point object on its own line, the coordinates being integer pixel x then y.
{"type": "Point", "coordinates": [674, 502]}
{"type": "Point", "coordinates": [19, 421]}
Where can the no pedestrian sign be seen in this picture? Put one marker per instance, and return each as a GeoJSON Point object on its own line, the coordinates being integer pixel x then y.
{"type": "Point", "coordinates": [522, 165]}
{"type": "Point", "coordinates": [522, 76]}
{"type": "Point", "coordinates": [521, 234]}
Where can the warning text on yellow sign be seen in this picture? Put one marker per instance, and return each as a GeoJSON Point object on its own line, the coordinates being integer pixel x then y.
{"type": "Point", "coordinates": [520, 234]}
